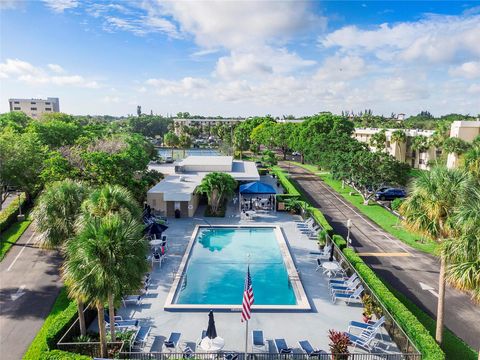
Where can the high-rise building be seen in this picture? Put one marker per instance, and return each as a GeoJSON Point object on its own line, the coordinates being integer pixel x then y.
{"type": "Point", "coordinates": [35, 107]}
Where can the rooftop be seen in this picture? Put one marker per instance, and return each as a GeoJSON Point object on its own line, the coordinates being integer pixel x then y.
{"type": "Point", "coordinates": [207, 160]}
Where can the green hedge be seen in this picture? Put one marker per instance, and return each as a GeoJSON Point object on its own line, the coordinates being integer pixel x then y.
{"type": "Point", "coordinates": [63, 355]}
{"type": "Point", "coordinates": [319, 218]}
{"type": "Point", "coordinates": [10, 236]}
{"type": "Point", "coordinates": [286, 183]}
{"type": "Point", "coordinates": [9, 214]}
{"type": "Point", "coordinates": [409, 323]}
{"type": "Point", "coordinates": [63, 314]}
{"type": "Point", "coordinates": [339, 241]}
{"type": "Point", "coordinates": [285, 197]}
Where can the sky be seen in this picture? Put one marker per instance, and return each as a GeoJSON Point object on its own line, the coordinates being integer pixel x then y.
{"type": "Point", "coordinates": [242, 58]}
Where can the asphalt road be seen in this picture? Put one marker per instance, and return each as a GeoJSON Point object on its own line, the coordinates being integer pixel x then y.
{"type": "Point", "coordinates": [405, 268]}
{"type": "Point", "coordinates": [29, 285]}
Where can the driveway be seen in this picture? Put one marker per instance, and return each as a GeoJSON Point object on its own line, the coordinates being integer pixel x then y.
{"type": "Point", "coordinates": [410, 271]}
{"type": "Point", "coordinates": [29, 285]}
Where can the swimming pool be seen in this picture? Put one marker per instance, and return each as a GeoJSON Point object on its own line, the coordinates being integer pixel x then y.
{"type": "Point", "coordinates": [213, 272]}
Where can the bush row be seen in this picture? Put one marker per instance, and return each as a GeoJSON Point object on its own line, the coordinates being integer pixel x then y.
{"type": "Point", "coordinates": [9, 214]}
{"type": "Point", "coordinates": [63, 355]}
{"type": "Point", "coordinates": [286, 183]}
{"type": "Point", "coordinates": [63, 314]}
{"type": "Point", "coordinates": [319, 218]}
{"type": "Point", "coordinates": [409, 323]}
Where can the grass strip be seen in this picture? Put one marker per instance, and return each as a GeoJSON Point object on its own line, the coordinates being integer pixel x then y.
{"type": "Point", "coordinates": [11, 235]}
{"type": "Point", "coordinates": [386, 220]}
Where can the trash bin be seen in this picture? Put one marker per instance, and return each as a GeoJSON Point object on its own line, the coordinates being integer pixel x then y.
{"type": "Point", "coordinates": [177, 213]}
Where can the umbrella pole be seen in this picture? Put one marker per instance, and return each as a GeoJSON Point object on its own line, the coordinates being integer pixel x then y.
{"type": "Point", "coordinates": [246, 339]}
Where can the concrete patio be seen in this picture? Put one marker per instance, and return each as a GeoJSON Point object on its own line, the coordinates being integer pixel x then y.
{"type": "Point", "coordinates": [292, 326]}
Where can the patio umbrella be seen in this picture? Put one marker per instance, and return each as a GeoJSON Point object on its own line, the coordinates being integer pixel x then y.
{"type": "Point", "coordinates": [211, 330]}
{"type": "Point", "coordinates": [155, 229]}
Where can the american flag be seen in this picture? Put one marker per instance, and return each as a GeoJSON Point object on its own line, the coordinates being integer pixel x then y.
{"type": "Point", "coordinates": [247, 297]}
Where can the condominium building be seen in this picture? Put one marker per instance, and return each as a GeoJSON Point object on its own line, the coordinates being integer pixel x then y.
{"type": "Point", "coordinates": [178, 123]}
{"type": "Point", "coordinates": [420, 159]}
{"type": "Point", "coordinates": [35, 107]}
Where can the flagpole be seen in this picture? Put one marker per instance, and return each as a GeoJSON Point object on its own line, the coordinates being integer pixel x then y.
{"type": "Point", "coordinates": [246, 339]}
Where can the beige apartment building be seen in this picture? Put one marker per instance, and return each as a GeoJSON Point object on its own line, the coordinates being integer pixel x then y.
{"type": "Point", "coordinates": [35, 108]}
{"type": "Point", "coordinates": [465, 130]}
{"type": "Point", "coordinates": [178, 123]}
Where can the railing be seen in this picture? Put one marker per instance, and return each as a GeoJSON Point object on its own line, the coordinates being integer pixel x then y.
{"type": "Point", "coordinates": [265, 356]}
{"type": "Point", "coordinates": [395, 331]}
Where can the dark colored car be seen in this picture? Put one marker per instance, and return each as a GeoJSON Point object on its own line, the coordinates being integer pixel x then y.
{"type": "Point", "coordinates": [390, 194]}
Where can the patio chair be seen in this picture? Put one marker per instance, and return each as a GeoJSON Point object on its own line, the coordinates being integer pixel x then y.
{"type": "Point", "coordinates": [308, 349]}
{"type": "Point", "coordinates": [348, 297]}
{"type": "Point", "coordinates": [343, 281]}
{"type": "Point", "coordinates": [366, 327]}
{"type": "Point", "coordinates": [324, 255]}
{"type": "Point", "coordinates": [173, 341]}
{"type": "Point", "coordinates": [188, 353]}
{"type": "Point", "coordinates": [141, 337]}
{"type": "Point", "coordinates": [348, 287]}
{"type": "Point", "coordinates": [120, 322]}
{"type": "Point", "coordinates": [306, 223]}
{"type": "Point", "coordinates": [132, 299]}
{"type": "Point", "coordinates": [282, 347]}
{"type": "Point", "coordinates": [258, 341]}
{"type": "Point", "coordinates": [230, 356]}
{"type": "Point", "coordinates": [365, 341]}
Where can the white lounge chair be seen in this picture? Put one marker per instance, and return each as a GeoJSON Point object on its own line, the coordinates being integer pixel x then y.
{"type": "Point", "coordinates": [347, 288]}
{"type": "Point", "coordinates": [367, 327]}
{"type": "Point", "coordinates": [132, 299]}
{"type": "Point", "coordinates": [349, 297]}
{"type": "Point", "coordinates": [258, 341]}
{"type": "Point", "coordinates": [343, 281]}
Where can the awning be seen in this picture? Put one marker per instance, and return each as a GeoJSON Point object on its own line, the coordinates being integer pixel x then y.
{"type": "Point", "coordinates": [257, 187]}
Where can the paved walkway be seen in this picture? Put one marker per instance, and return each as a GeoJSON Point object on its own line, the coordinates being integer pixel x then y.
{"type": "Point", "coordinates": [405, 268]}
{"type": "Point", "coordinates": [29, 285]}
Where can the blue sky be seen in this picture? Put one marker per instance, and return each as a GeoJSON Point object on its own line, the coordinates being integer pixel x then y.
{"type": "Point", "coordinates": [236, 58]}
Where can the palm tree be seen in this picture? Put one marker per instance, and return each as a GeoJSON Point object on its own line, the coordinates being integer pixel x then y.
{"type": "Point", "coordinates": [110, 199]}
{"type": "Point", "coordinates": [105, 260]}
{"type": "Point", "coordinates": [379, 140]}
{"type": "Point", "coordinates": [398, 137]}
{"type": "Point", "coordinates": [217, 186]}
{"type": "Point", "coordinates": [55, 214]}
{"type": "Point", "coordinates": [463, 251]}
{"type": "Point", "coordinates": [429, 210]}
{"type": "Point", "coordinates": [472, 160]}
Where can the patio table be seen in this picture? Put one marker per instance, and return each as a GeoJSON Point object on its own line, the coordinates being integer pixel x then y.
{"type": "Point", "coordinates": [330, 267]}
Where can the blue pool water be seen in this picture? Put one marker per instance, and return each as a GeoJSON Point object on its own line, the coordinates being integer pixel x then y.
{"type": "Point", "coordinates": [218, 264]}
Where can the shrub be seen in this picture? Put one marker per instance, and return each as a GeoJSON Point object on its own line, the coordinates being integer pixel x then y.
{"type": "Point", "coordinates": [285, 197]}
{"type": "Point", "coordinates": [62, 355]}
{"type": "Point", "coordinates": [395, 204]}
{"type": "Point", "coordinates": [286, 183]}
{"type": "Point", "coordinates": [339, 241]}
{"type": "Point", "coordinates": [262, 171]}
{"type": "Point", "coordinates": [319, 218]}
{"type": "Point", "coordinates": [409, 323]}
{"type": "Point", "coordinates": [9, 214]}
{"type": "Point", "coordinates": [63, 313]}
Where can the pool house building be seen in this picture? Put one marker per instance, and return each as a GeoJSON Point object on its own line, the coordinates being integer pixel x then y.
{"type": "Point", "coordinates": [177, 190]}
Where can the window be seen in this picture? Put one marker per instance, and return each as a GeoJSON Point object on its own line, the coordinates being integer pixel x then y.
{"type": "Point", "coordinates": [48, 109]}
{"type": "Point", "coordinates": [421, 161]}
{"type": "Point", "coordinates": [47, 103]}
{"type": "Point", "coordinates": [16, 102]}
{"type": "Point", "coordinates": [33, 103]}
{"type": "Point", "coordinates": [33, 108]}
{"type": "Point", "coordinates": [16, 108]}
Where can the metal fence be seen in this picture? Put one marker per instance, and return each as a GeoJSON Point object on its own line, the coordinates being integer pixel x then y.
{"type": "Point", "coordinates": [266, 356]}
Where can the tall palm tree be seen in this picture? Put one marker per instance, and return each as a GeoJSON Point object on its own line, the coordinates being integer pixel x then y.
{"type": "Point", "coordinates": [399, 137]}
{"type": "Point", "coordinates": [108, 200]}
{"type": "Point", "coordinates": [54, 216]}
{"type": "Point", "coordinates": [106, 259]}
{"type": "Point", "coordinates": [429, 210]}
{"type": "Point", "coordinates": [463, 251]}
{"type": "Point", "coordinates": [217, 186]}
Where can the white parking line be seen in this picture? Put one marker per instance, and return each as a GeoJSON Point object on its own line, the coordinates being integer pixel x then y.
{"type": "Point", "coordinates": [20, 253]}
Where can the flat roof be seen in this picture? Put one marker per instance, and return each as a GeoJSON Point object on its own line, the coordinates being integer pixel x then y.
{"type": "Point", "coordinates": [207, 160]}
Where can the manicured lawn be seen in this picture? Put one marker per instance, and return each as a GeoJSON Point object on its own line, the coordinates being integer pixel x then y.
{"type": "Point", "coordinates": [453, 346]}
{"type": "Point", "coordinates": [11, 235]}
{"type": "Point", "coordinates": [386, 220]}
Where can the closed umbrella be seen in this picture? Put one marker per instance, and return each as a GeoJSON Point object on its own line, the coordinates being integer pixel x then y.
{"type": "Point", "coordinates": [155, 229]}
{"type": "Point", "coordinates": [211, 330]}
{"type": "Point", "coordinates": [212, 342]}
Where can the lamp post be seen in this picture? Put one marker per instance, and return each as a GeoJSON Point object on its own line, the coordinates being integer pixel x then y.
{"type": "Point", "coordinates": [349, 226]}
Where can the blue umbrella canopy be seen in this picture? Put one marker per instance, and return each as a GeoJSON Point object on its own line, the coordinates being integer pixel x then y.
{"type": "Point", "coordinates": [211, 330]}
{"type": "Point", "coordinates": [257, 187]}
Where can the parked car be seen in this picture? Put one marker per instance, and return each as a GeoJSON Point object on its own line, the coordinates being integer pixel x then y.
{"type": "Point", "coordinates": [390, 194]}
{"type": "Point", "coordinates": [169, 160]}
{"type": "Point", "coordinates": [295, 153]}
{"type": "Point", "coordinates": [258, 164]}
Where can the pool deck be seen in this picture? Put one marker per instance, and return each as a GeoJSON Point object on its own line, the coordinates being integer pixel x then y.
{"type": "Point", "coordinates": [312, 325]}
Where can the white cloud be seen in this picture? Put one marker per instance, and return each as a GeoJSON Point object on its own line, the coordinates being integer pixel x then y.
{"type": "Point", "coordinates": [469, 70]}
{"type": "Point", "coordinates": [111, 99]}
{"type": "Point", "coordinates": [188, 86]}
{"type": "Point", "coordinates": [140, 26]}
{"type": "Point", "coordinates": [205, 52]}
{"type": "Point", "coordinates": [340, 67]}
{"type": "Point", "coordinates": [60, 6]}
{"type": "Point", "coordinates": [56, 68]}
{"type": "Point", "coordinates": [235, 24]}
{"type": "Point", "coordinates": [474, 89]}
{"type": "Point", "coordinates": [25, 72]}
{"type": "Point", "coordinates": [10, 4]}
{"type": "Point", "coordinates": [434, 39]}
